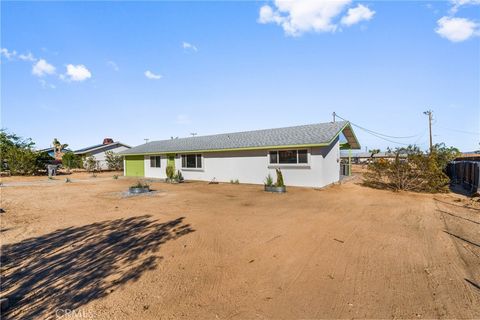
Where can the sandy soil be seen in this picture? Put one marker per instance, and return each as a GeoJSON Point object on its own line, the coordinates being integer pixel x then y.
{"type": "Point", "coordinates": [224, 251]}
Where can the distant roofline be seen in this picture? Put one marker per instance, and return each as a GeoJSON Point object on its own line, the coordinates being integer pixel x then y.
{"type": "Point", "coordinates": [97, 147]}
{"type": "Point", "coordinates": [51, 149]}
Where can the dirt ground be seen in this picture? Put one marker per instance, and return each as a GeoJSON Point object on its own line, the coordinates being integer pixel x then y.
{"type": "Point", "coordinates": [200, 251]}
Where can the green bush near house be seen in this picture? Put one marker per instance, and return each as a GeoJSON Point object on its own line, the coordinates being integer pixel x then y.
{"type": "Point", "coordinates": [269, 180]}
{"type": "Point", "coordinates": [71, 161]}
{"type": "Point", "coordinates": [114, 161]}
{"type": "Point", "coordinates": [179, 176]}
{"type": "Point", "coordinates": [280, 182]}
{"type": "Point", "coordinates": [91, 165]}
{"type": "Point", "coordinates": [170, 171]}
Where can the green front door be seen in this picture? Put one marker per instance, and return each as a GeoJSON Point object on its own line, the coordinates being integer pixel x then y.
{"type": "Point", "coordinates": [134, 166]}
{"type": "Point", "coordinates": [171, 160]}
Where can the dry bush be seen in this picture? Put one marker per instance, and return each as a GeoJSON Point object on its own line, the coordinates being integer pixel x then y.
{"type": "Point", "coordinates": [412, 170]}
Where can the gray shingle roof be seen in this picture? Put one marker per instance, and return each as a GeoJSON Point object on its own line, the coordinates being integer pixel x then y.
{"type": "Point", "coordinates": [99, 147]}
{"type": "Point", "coordinates": [312, 134]}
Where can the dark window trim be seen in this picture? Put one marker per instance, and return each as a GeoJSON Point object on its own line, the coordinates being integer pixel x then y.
{"type": "Point", "coordinates": [156, 164]}
{"type": "Point", "coordinates": [198, 161]}
{"type": "Point", "coordinates": [296, 164]}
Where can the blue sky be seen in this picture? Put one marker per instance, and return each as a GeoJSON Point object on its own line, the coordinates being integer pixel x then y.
{"type": "Point", "coordinates": [159, 69]}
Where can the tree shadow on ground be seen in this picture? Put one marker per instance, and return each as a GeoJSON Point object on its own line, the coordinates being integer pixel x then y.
{"type": "Point", "coordinates": [70, 267]}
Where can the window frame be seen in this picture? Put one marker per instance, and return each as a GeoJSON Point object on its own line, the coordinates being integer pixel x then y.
{"type": "Point", "coordinates": [277, 156]}
{"type": "Point", "coordinates": [198, 161]}
{"type": "Point", "coordinates": [159, 161]}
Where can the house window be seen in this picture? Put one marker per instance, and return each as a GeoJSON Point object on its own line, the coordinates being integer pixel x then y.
{"type": "Point", "coordinates": [289, 157]}
{"type": "Point", "coordinates": [155, 161]}
{"type": "Point", "coordinates": [193, 161]}
{"type": "Point", "coordinates": [273, 157]}
{"type": "Point", "coordinates": [302, 156]}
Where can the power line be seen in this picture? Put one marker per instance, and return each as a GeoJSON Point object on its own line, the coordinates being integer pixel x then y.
{"type": "Point", "coordinates": [383, 138]}
{"type": "Point", "coordinates": [461, 131]}
{"type": "Point", "coordinates": [420, 137]}
{"type": "Point", "coordinates": [377, 133]}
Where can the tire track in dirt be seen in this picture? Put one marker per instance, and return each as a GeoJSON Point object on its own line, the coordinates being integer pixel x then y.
{"type": "Point", "coordinates": [461, 226]}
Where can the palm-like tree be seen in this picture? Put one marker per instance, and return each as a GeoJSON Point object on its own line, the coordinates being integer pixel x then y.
{"type": "Point", "coordinates": [58, 147]}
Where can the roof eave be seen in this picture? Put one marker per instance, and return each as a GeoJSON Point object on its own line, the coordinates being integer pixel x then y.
{"type": "Point", "coordinates": [349, 134]}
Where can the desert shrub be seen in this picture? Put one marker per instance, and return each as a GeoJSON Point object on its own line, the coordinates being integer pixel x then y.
{"type": "Point", "coordinates": [18, 157]}
{"type": "Point", "coordinates": [445, 154]}
{"type": "Point", "coordinates": [178, 176]}
{"type": "Point", "coordinates": [170, 171]}
{"type": "Point", "coordinates": [280, 182]}
{"type": "Point", "coordinates": [11, 140]}
{"type": "Point", "coordinates": [71, 160]}
{"type": "Point", "coordinates": [269, 180]}
{"type": "Point", "coordinates": [20, 161]}
{"type": "Point", "coordinates": [42, 160]}
{"type": "Point", "coordinates": [236, 181]}
{"type": "Point", "coordinates": [91, 165]}
{"type": "Point", "coordinates": [140, 184]}
{"type": "Point", "coordinates": [115, 177]}
{"type": "Point", "coordinates": [412, 170]}
{"type": "Point", "coordinates": [114, 161]}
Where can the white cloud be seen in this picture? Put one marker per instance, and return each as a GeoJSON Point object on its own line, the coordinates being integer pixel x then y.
{"type": "Point", "coordinates": [187, 45]}
{"type": "Point", "coordinates": [357, 14]}
{"type": "Point", "coordinates": [8, 54]}
{"type": "Point", "coordinates": [297, 17]}
{"type": "Point", "coordinates": [46, 85]}
{"type": "Point", "coordinates": [456, 4]}
{"type": "Point", "coordinates": [113, 65]}
{"type": "Point", "coordinates": [183, 119]}
{"type": "Point", "coordinates": [42, 67]}
{"type": "Point", "coordinates": [457, 29]}
{"type": "Point", "coordinates": [27, 57]}
{"type": "Point", "coordinates": [464, 2]}
{"type": "Point", "coordinates": [150, 75]}
{"type": "Point", "coordinates": [76, 73]}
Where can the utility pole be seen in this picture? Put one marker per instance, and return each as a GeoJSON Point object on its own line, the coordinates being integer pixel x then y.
{"type": "Point", "coordinates": [429, 113]}
{"type": "Point", "coordinates": [193, 134]}
{"type": "Point", "coordinates": [146, 140]}
{"type": "Point", "coordinates": [334, 114]}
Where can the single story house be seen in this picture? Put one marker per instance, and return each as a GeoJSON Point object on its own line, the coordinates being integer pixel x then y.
{"type": "Point", "coordinates": [308, 155]}
{"type": "Point", "coordinates": [98, 151]}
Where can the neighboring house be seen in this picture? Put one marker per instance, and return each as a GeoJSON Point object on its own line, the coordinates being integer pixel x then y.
{"type": "Point", "coordinates": [363, 157]}
{"type": "Point", "coordinates": [51, 152]}
{"type": "Point", "coordinates": [308, 155]}
{"type": "Point", "coordinates": [98, 151]}
{"type": "Point", "coordinates": [474, 155]}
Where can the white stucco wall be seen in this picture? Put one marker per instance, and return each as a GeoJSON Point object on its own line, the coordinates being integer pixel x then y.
{"type": "Point", "coordinates": [252, 167]}
{"type": "Point", "coordinates": [100, 156]}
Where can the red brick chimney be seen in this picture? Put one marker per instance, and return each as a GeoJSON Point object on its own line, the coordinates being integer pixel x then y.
{"type": "Point", "coordinates": [107, 140]}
